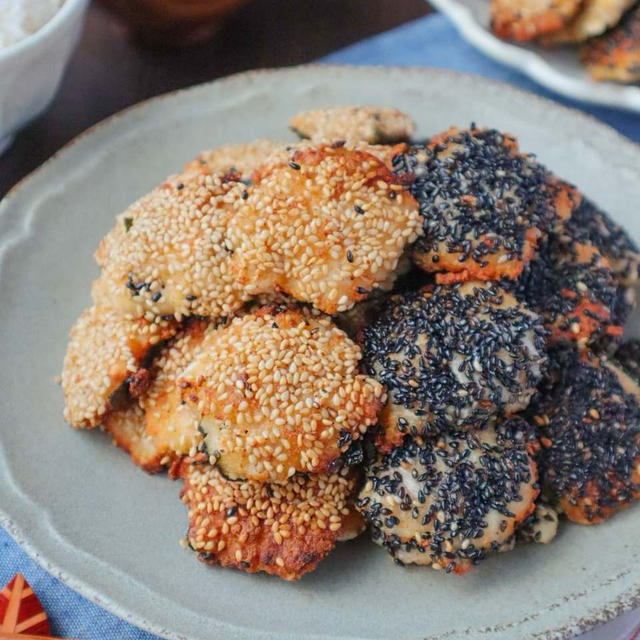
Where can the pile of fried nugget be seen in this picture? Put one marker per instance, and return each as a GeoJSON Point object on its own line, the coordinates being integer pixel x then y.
{"type": "Point", "coordinates": [608, 31]}
{"type": "Point", "coordinates": [359, 331]}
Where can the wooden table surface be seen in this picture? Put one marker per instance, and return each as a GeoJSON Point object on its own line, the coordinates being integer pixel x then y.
{"type": "Point", "coordinates": [109, 71]}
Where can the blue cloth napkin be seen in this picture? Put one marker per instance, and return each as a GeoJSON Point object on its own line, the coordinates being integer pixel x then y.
{"type": "Point", "coordinates": [430, 41]}
{"type": "Point", "coordinates": [434, 42]}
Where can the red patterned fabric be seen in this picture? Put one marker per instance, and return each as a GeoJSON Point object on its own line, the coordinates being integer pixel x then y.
{"type": "Point", "coordinates": [20, 609]}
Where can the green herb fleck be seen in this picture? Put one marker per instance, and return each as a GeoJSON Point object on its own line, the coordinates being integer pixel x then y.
{"type": "Point", "coordinates": [128, 222]}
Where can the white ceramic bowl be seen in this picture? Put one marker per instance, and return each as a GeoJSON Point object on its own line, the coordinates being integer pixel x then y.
{"type": "Point", "coordinates": [31, 69]}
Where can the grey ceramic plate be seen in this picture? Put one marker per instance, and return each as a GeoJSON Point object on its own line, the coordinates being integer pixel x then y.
{"type": "Point", "coordinates": [558, 69]}
{"type": "Point", "coordinates": [88, 515]}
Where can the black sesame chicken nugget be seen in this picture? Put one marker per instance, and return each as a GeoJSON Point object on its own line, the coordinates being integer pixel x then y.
{"type": "Point", "coordinates": [573, 287]}
{"type": "Point", "coordinates": [284, 530]}
{"type": "Point", "coordinates": [354, 124]}
{"type": "Point", "coordinates": [541, 526]}
{"type": "Point", "coordinates": [238, 161]}
{"type": "Point", "coordinates": [107, 353]}
{"type": "Point", "coordinates": [326, 226]}
{"type": "Point", "coordinates": [451, 358]}
{"type": "Point", "coordinates": [590, 225]}
{"type": "Point", "coordinates": [528, 19]}
{"type": "Point", "coordinates": [593, 19]}
{"type": "Point", "coordinates": [168, 253]}
{"type": "Point", "coordinates": [589, 428]}
{"type": "Point", "coordinates": [277, 392]}
{"type": "Point", "coordinates": [485, 204]}
{"type": "Point", "coordinates": [615, 56]}
{"type": "Point", "coordinates": [450, 500]}
{"type": "Point", "coordinates": [627, 356]}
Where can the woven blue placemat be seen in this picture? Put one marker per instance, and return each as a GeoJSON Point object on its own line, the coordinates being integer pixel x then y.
{"type": "Point", "coordinates": [430, 41]}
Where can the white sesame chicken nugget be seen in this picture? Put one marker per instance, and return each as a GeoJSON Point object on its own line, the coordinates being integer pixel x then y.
{"type": "Point", "coordinates": [354, 124]}
{"type": "Point", "coordinates": [167, 254]}
{"type": "Point", "coordinates": [157, 429]}
{"type": "Point", "coordinates": [278, 391]}
{"type": "Point", "coordinates": [169, 422]}
{"type": "Point", "coordinates": [105, 349]}
{"type": "Point", "coordinates": [327, 227]}
{"type": "Point", "coordinates": [240, 160]}
{"type": "Point", "coordinates": [283, 530]}
{"type": "Point", "coordinates": [384, 152]}
{"type": "Point", "coordinates": [127, 428]}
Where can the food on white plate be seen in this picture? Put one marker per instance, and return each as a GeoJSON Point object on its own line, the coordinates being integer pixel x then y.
{"type": "Point", "coordinates": [157, 428]}
{"type": "Point", "coordinates": [528, 19]}
{"type": "Point", "coordinates": [609, 29]}
{"type": "Point", "coordinates": [593, 19]}
{"type": "Point", "coordinates": [615, 55]}
{"type": "Point", "coordinates": [215, 349]}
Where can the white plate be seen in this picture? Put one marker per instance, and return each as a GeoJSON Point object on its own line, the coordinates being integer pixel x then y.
{"type": "Point", "coordinates": [90, 517]}
{"type": "Point", "coordinates": [557, 69]}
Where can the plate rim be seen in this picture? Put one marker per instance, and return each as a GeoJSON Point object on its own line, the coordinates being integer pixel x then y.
{"type": "Point", "coordinates": [628, 599]}
{"type": "Point", "coordinates": [534, 65]}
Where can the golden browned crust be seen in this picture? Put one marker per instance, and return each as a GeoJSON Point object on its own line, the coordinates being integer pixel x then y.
{"type": "Point", "coordinates": [588, 422]}
{"type": "Point", "coordinates": [168, 255]}
{"type": "Point", "coordinates": [284, 530]}
{"type": "Point", "coordinates": [238, 160]}
{"type": "Point", "coordinates": [354, 124]}
{"type": "Point", "coordinates": [327, 227]}
{"type": "Point", "coordinates": [465, 238]}
{"type": "Point", "coordinates": [278, 391]}
{"type": "Point", "coordinates": [593, 19]}
{"type": "Point", "coordinates": [156, 428]}
{"type": "Point", "coordinates": [616, 55]}
{"type": "Point", "coordinates": [528, 19]}
{"type": "Point", "coordinates": [127, 428]}
{"type": "Point", "coordinates": [105, 349]}
{"type": "Point", "coordinates": [571, 285]}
